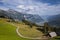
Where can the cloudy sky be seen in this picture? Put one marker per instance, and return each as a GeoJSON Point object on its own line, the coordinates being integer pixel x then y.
{"type": "Point", "coordinates": [41, 7]}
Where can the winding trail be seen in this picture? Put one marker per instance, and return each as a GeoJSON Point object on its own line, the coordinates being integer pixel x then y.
{"type": "Point", "coordinates": [17, 30]}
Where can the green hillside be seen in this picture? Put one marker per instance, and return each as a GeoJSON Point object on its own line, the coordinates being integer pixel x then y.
{"type": "Point", "coordinates": [8, 32]}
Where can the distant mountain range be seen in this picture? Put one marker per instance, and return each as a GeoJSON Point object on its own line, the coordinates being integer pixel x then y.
{"type": "Point", "coordinates": [54, 20]}
{"type": "Point", "coordinates": [12, 14]}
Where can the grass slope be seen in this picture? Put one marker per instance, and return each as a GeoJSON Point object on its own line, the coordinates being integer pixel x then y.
{"type": "Point", "coordinates": [8, 32]}
{"type": "Point", "coordinates": [26, 31]}
{"type": "Point", "coordinates": [30, 32]}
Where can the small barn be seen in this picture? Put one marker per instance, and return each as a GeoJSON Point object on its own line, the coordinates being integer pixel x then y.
{"type": "Point", "coordinates": [48, 28]}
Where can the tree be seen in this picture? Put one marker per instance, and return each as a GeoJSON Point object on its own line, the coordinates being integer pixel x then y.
{"type": "Point", "coordinates": [45, 27]}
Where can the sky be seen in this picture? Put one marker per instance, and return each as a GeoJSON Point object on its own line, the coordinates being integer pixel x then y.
{"type": "Point", "coordinates": [40, 7]}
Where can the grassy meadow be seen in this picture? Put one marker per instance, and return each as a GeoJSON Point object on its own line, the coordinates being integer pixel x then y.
{"type": "Point", "coordinates": [8, 32]}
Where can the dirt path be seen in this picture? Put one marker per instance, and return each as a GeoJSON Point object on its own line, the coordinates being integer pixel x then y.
{"type": "Point", "coordinates": [17, 30]}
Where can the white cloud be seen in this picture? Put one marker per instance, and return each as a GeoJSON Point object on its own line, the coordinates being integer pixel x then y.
{"type": "Point", "coordinates": [3, 8]}
{"type": "Point", "coordinates": [28, 7]}
{"type": "Point", "coordinates": [21, 7]}
{"type": "Point", "coordinates": [35, 7]}
{"type": "Point", "coordinates": [40, 8]}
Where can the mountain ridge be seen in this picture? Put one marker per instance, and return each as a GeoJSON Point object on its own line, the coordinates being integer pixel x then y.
{"type": "Point", "coordinates": [12, 14]}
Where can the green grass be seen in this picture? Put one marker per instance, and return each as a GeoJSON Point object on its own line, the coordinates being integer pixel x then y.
{"type": "Point", "coordinates": [26, 31]}
{"type": "Point", "coordinates": [8, 32]}
{"type": "Point", "coordinates": [55, 38]}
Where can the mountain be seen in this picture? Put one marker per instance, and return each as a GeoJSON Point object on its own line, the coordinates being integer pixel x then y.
{"type": "Point", "coordinates": [54, 20]}
{"type": "Point", "coordinates": [12, 14]}
{"type": "Point", "coordinates": [45, 17]}
{"type": "Point", "coordinates": [3, 13]}
{"type": "Point", "coordinates": [33, 18]}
